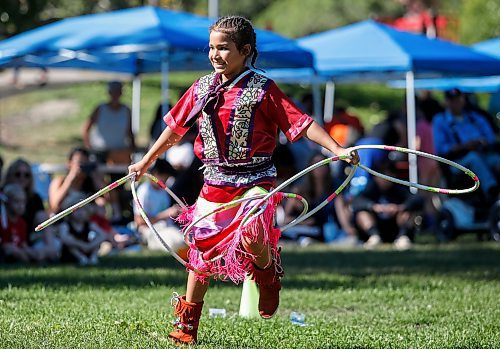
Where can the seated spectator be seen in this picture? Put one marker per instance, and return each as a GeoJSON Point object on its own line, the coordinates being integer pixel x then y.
{"type": "Point", "coordinates": [82, 177]}
{"type": "Point", "coordinates": [80, 236]}
{"type": "Point", "coordinates": [44, 241]}
{"type": "Point", "coordinates": [14, 235]}
{"type": "Point", "coordinates": [384, 211]}
{"type": "Point", "coordinates": [181, 155]}
{"type": "Point", "coordinates": [467, 138]}
{"type": "Point", "coordinates": [158, 206]}
{"type": "Point", "coordinates": [158, 125]}
{"type": "Point", "coordinates": [428, 105]}
{"type": "Point", "coordinates": [472, 104]}
{"type": "Point", "coordinates": [1, 168]}
{"type": "Point", "coordinates": [344, 127]}
{"type": "Point", "coordinates": [317, 186]}
{"type": "Point", "coordinates": [19, 172]}
{"type": "Point", "coordinates": [382, 133]}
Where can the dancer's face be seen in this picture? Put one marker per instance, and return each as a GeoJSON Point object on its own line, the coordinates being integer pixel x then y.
{"type": "Point", "coordinates": [225, 56]}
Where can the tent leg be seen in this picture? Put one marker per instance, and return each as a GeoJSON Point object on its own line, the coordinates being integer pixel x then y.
{"type": "Point", "coordinates": [316, 92]}
{"type": "Point", "coordinates": [411, 127]}
{"type": "Point", "coordinates": [329, 101]}
{"type": "Point", "coordinates": [136, 105]}
{"type": "Point", "coordinates": [164, 83]}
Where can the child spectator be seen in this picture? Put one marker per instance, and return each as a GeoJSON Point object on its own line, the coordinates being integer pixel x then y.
{"type": "Point", "coordinates": [45, 241]}
{"type": "Point", "coordinates": [14, 237]}
{"type": "Point", "coordinates": [81, 238]}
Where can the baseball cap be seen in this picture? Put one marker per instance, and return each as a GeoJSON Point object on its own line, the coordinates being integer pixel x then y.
{"type": "Point", "coordinates": [454, 92]}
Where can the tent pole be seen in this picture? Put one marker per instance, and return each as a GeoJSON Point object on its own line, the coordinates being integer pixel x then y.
{"type": "Point", "coordinates": [164, 82]}
{"type": "Point", "coordinates": [136, 104]}
{"type": "Point", "coordinates": [213, 9]}
{"type": "Point", "coordinates": [329, 101]}
{"type": "Point", "coordinates": [411, 127]}
{"type": "Point", "coordinates": [164, 87]}
{"type": "Point", "coordinates": [316, 92]}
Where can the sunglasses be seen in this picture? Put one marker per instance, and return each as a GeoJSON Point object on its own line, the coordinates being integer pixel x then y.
{"type": "Point", "coordinates": [22, 174]}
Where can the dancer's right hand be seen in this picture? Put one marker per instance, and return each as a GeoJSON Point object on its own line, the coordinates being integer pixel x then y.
{"type": "Point", "coordinates": [139, 168]}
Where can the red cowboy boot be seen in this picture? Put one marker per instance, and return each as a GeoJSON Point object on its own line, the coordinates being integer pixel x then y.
{"type": "Point", "coordinates": [269, 284]}
{"type": "Point", "coordinates": [187, 320]}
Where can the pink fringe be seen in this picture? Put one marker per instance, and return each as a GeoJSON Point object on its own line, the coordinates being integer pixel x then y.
{"type": "Point", "coordinates": [235, 262]}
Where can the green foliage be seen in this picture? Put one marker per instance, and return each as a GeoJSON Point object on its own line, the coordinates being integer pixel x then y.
{"type": "Point", "coordinates": [297, 18]}
{"type": "Point", "coordinates": [479, 20]}
{"type": "Point", "coordinates": [432, 297]}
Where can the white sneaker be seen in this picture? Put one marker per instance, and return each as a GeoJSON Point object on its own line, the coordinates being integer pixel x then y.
{"type": "Point", "coordinates": [403, 243]}
{"type": "Point", "coordinates": [372, 242]}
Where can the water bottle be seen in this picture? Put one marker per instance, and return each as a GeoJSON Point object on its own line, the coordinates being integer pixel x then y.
{"type": "Point", "coordinates": [215, 312]}
{"type": "Point", "coordinates": [297, 318]}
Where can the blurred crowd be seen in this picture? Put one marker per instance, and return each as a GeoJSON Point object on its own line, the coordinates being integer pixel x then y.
{"type": "Point", "coordinates": [369, 212]}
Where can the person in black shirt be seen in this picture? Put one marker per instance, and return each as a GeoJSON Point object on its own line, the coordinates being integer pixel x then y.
{"type": "Point", "coordinates": [385, 211]}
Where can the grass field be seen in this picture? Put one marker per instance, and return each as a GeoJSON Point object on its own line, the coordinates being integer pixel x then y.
{"type": "Point", "coordinates": [431, 297]}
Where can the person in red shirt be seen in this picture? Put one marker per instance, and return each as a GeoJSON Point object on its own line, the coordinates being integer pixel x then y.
{"type": "Point", "coordinates": [344, 127]}
{"type": "Point", "coordinates": [14, 237]}
{"type": "Point", "coordinates": [239, 112]}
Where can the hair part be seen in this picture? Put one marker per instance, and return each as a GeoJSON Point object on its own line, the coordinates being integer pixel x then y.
{"type": "Point", "coordinates": [240, 30]}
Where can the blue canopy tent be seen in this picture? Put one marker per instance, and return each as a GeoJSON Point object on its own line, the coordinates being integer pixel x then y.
{"type": "Point", "coordinates": [100, 41]}
{"type": "Point", "coordinates": [475, 84]}
{"type": "Point", "coordinates": [372, 51]}
{"type": "Point", "coordinates": [135, 41]}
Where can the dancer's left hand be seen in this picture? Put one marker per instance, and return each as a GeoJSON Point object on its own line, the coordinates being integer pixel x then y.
{"type": "Point", "coordinates": [350, 152]}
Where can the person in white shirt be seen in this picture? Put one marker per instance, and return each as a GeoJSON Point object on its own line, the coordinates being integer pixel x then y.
{"type": "Point", "coordinates": [161, 211]}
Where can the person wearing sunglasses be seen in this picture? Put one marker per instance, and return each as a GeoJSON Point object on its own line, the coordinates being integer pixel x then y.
{"type": "Point", "coordinates": [45, 243]}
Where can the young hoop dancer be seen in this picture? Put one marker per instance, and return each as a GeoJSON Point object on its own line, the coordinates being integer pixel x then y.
{"type": "Point", "coordinates": [239, 113]}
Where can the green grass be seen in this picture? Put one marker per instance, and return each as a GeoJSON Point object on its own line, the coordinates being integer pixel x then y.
{"type": "Point", "coordinates": [432, 297]}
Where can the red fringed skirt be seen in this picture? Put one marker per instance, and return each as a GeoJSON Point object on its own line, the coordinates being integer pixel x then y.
{"type": "Point", "coordinates": [216, 241]}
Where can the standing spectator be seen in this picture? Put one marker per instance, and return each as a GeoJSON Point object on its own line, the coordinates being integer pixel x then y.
{"type": "Point", "coordinates": [466, 137]}
{"type": "Point", "coordinates": [80, 236]}
{"type": "Point", "coordinates": [109, 129]}
{"type": "Point", "coordinates": [14, 236]}
{"type": "Point", "coordinates": [384, 211]}
{"type": "Point", "coordinates": [108, 133]}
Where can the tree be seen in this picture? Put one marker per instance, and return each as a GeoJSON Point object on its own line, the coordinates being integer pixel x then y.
{"type": "Point", "coordinates": [297, 18]}
{"type": "Point", "coordinates": [479, 20]}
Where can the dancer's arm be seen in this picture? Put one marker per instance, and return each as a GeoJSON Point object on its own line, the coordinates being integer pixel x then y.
{"type": "Point", "coordinates": [166, 140]}
{"type": "Point", "coordinates": [318, 135]}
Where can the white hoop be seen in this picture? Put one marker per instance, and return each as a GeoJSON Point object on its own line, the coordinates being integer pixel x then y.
{"type": "Point", "coordinates": [418, 185]}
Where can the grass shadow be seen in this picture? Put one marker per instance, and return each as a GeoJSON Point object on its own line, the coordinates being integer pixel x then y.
{"type": "Point", "coordinates": [309, 268]}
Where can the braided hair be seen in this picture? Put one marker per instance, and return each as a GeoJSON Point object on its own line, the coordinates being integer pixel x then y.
{"type": "Point", "coordinates": [240, 31]}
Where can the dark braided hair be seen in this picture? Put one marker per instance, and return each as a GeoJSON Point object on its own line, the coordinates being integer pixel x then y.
{"type": "Point", "coordinates": [240, 31]}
